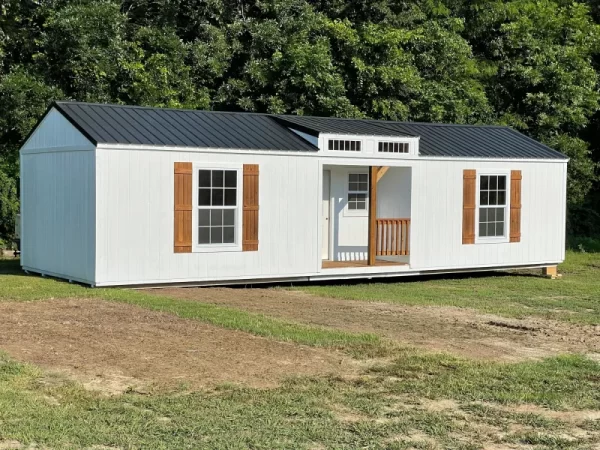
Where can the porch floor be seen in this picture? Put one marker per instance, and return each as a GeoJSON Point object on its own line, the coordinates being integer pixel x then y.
{"type": "Point", "coordinates": [340, 264]}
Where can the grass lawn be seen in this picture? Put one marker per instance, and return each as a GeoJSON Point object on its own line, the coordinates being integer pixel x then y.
{"type": "Point", "coordinates": [403, 399]}
{"type": "Point", "coordinates": [574, 298]}
{"type": "Point", "coordinates": [387, 407]}
{"type": "Point", "coordinates": [16, 286]}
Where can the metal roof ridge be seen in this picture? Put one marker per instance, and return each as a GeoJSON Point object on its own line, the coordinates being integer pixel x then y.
{"type": "Point", "coordinates": [399, 122]}
{"type": "Point", "coordinates": [188, 110]}
{"type": "Point", "coordinates": [272, 115]}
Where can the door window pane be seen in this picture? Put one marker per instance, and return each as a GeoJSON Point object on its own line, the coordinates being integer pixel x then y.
{"type": "Point", "coordinates": [358, 187]}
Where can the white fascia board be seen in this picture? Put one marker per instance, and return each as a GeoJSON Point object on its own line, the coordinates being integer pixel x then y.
{"type": "Point", "coordinates": [318, 154]}
{"type": "Point", "coordinates": [500, 160]}
{"type": "Point", "coordinates": [223, 150]}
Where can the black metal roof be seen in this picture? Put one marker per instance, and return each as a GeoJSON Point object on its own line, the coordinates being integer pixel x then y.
{"type": "Point", "coordinates": [436, 139]}
{"type": "Point", "coordinates": [118, 124]}
{"type": "Point", "coordinates": [316, 125]}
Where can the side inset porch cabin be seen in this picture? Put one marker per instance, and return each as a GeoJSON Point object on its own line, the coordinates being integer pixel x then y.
{"type": "Point", "coordinates": [119, 195]}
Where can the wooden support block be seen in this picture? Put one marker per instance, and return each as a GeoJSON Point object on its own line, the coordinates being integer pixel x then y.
{"type": "Point", "coordinates": [551, 272]}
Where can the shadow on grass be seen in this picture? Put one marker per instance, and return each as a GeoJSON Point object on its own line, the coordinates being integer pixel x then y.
{"type": "Point", "coordinates": [392, 280]}
{"type": "Point", "coordinates": [11, 266]}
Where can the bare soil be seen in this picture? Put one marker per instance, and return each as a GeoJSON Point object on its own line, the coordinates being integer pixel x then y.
{"type": "Point", "coordinates": [459, 331]}
{"type": "Point", "coordinates": [111, 347]}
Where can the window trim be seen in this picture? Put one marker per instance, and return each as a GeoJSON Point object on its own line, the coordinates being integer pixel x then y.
{"type": "Point", "coordinates": [215, 248]}
{"type": "Point", "coordinates": [493, 239]}
{"type": "Point", "coordinates": [356, 212]}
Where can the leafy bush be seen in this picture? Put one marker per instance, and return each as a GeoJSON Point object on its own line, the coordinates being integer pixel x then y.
{"type": "Point", "coordinates": [583, 244]}
{"type": "Point", "coordinates": [9, 207]}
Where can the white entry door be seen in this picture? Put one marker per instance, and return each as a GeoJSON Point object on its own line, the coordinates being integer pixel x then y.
{"type": "Point", "coordinates": [326, 208]}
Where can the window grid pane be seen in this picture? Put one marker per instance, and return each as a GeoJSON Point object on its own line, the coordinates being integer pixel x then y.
{"type": "Point", "coordinates": [492, 203]}
{"type": "Point", "coordinates": [358, 187]}
{"type": "Point", "coordinates": [217, 201]}
{"type": "Point", "coordinates": [392, 147]}
{"type": "Point", "coordinates": [344, 145]}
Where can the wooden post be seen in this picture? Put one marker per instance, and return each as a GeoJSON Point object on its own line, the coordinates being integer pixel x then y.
{"type": "Point", "coordinates": [372, 249]}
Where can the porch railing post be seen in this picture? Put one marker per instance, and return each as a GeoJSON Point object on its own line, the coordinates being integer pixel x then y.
{"type": "Point", "coordinates": [372, 248]}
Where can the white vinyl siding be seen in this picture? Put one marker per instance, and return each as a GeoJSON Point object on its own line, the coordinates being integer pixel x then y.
{"type": "Point", "coordinates": [58, 214]}
{"type": "Point", "coordinates": [134, 230]}
{"type": "Point", "coordinates": [436, 220]}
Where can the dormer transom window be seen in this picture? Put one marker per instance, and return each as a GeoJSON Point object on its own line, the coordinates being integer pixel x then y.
{"type": "Point", "coordinates": [393, 147]}
{"type": "Point", "coordinates": [344, 145]}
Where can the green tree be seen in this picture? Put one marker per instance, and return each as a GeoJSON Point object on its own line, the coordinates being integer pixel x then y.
{"type": "Point", "coordinates": [538, 57]}
{"type": "Point", "coordinates": [9, 205]}
{"type": "Point", "coordinates": [24, 98]}
{"type": "Point", "coordinates": [284, 63]}
{"type": "Point", "coordinates": [423, 71]}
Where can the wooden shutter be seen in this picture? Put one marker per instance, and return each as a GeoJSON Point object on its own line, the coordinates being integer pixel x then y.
{"type": "Point", "coordinates": [515, 206]}
{"type": "Point", "coordinates": [250, 208]}
{"type": "Point", "coordinates": [183, 207]}
{"type": "Point", "coordinates": [469, 192]}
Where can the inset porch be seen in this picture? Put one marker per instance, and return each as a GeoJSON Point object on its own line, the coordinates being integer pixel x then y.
{"type": "Point", "coordinates": [366, 216]}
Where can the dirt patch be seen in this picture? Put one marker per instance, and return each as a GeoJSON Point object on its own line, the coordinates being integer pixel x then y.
{"type": "Point", "coordinates": [573, 417]}
{"type": "Point", "coordinates": [112, 347]}
{"type": "Point", "coordinates": [10, 445]}
{"type": "Point", "coordinates": [456, 330]}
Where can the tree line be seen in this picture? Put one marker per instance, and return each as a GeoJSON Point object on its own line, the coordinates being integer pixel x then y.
{"type": "Point", "coordinates": [530, 64]}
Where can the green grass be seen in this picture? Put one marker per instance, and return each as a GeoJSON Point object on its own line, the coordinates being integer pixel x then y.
{"type": "Point", "coordinates": [17, 286]}
{"type": "Point", "coordinates": [566, 381]}
{"type": "Point", "coordinates": [367, 412]}
{"type": "Point", "coordinates": [385, 406]}
{"type": "Point", "coordinates": [574, 298]}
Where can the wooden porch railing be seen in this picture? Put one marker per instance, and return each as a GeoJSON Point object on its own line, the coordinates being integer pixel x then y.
{"type": "Point", "coordinates": [392, 237]}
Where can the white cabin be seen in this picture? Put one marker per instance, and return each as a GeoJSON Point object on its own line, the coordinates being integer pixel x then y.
{"type": "Point", "coordinates": [119, 195]}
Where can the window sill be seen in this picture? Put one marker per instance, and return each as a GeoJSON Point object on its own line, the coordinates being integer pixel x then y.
{"type": "Point", "coordinates": [219, 248]}
{"type": "Point", "coordinates": [492, 240]}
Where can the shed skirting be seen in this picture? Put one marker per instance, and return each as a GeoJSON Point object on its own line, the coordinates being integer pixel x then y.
{"type": "Point", "coordinates": [331, 275]}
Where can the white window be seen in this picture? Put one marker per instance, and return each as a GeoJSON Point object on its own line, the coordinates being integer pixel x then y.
{"type": "Point", "coordinates": [492, 207]}
{"type": "Point", "coordinates": [218, 207]}
{"type": "Point", "coordinates": [393, 147]}
{"type": "Point", "coordinates": [358, 191]}
{"type": "Point", "coordinates": [344, 145]}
